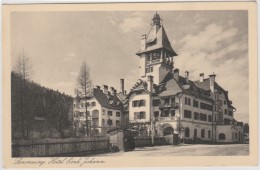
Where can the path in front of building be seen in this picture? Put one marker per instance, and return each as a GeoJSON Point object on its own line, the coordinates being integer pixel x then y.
{"type": "Point", "coordinates": [186, 150]}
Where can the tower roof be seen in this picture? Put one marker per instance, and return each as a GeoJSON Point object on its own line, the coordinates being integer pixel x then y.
{"type": "Point", "coordinates": [159, 40]}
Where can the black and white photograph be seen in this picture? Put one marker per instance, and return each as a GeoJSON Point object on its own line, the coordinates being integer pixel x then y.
{"type": "Point", "coordinates": [129, 83]}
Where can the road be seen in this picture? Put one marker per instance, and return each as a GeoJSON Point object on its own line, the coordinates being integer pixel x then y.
{"type": "Point", "coordinates": [186, 150]}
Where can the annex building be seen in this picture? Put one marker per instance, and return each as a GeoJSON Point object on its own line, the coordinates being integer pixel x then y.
{"type": "Point", "coordinates": [167, 102]}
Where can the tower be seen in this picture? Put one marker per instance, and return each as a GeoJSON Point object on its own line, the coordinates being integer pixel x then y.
{"type": "Point", "coordinates": [156, 53]}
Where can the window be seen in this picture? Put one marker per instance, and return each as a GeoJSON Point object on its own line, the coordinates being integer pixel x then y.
{"type": "Point", "coordinates": [196, 116]}
{"type": "Point", "coordinates": [202, 133]}
{"type": "Point", "coordinates": [236, 135]}
{"type": "Point", "coordinates": [173, 100]}
{"type": "Point", "coordinates": [81, 105]}
{"type": "Point", "coordinates": [187, 101]}
{"type": "Point", "coordinates": [117, 114]}
{"type": "Point", "coordinates": [206, 106]}
{"type": "Point", "coordinates": [221, 136]}
{"type": "Point", "coordinates": [82, 114]}
{"type": "Point", "coordinates": [109, 122]}
{"type": "Point", "coordinates": [147, 70]}
{"type": "Point", "coordinates": [103, 111]}
{"type": "Point", "coordinates": [74, 105]}
{"type": "Point", "coordinates": [138, 103]}
{"type": "Point", "coordinates": [209, 134]}
{"type": "Point", "coordinates": [87, 104]}
{"type": "Point", "coordinates": [225, 102]}
{"type": "Point", "coordinates": [139, 115]}
{"type": "Point", "coordinates": [103, 122]}
{"type": "Point", "coordinates": [151, 69]}
{"type": "Point", "coordinates": [225, 111]}
{"type": "Point", "coordinates": [165, 113]}
{"type": "Point", "coordinates": [230, 113]}
{"type": "Point", "coordinates": [166, 101]}
{"type": "Point", "coordinates": [135, 103]}
{"type": "Point", "coordinates": [93, 103]}
{"type": "Point", "coordinates": [209, 118]}
{"type": "Point", "coordinates": [173, 112]}
{"type": "Point", "coordinates": [117, 122]}
{"type": "Point", "coordinates": [156, 102]}
{"type": "Point", "coordinates": [215, 108]}
{"type": "Point", "coordinates": [156, 114]}
{"type": "Point", "coordinates": [187, 114]}
{"type": "Point", "coordinates": [187, 132]}
{"type": "Point", "coordinates": [203, 117]}
{"type": "Point", "coordinates": [195, 103]}
{"type": "Point", "coordinates": [142, 103]}
{"type": "Point", "coordinates": [109, 113]}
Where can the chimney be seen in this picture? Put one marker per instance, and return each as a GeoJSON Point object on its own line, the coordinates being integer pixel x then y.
{"type": "Point", "coordinates": [212, 82]}
{"type": "Point", "coordinates": [176, 74]}
{"type": "Point", "coordinates": [122, 88]}
{"type": "Point", "coordinates": [187, 76]}
{"type": "Point", "coordinates": [150, 83]}
{"type": "Point", "coordinates": [143, 42]}
{"type": "Point", "coordinates": [98, 87]}
{"type": "Point", "coordinates": [112, 90]}
{"type": "Point", "coordinates": [115, 92]}
{"type": "Point", "coordinates": [105, 89]}
{"type": "Point", "coordinates": [201, 77]}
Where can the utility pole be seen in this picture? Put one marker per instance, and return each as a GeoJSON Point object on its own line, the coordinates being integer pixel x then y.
{"type": "Point", "coordinates": [150, 85]}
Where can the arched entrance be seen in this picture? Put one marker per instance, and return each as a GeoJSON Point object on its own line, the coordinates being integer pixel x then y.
{"type": "Point", "coordinates": [168, 131]}
{"type": "Point", "coordinates": [221, 136]}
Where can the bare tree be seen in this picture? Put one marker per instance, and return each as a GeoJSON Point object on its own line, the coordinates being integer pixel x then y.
{"type": "Point", "coordinates": [84, 87]}
{"type": "Point", "coordinates": [24, 71]}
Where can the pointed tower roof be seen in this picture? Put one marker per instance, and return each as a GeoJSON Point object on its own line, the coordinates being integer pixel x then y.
{"type": "Point", "coordinates": [157, 38]}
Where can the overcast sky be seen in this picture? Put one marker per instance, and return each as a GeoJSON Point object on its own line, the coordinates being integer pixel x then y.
{"type": "Point", "coordinates": [205, 41]}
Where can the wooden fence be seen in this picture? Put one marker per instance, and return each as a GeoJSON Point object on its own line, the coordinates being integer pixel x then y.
{"type": "Point", "coordinates": [147, 141]}
{"type": "Point", "coordinates": [59, 147]}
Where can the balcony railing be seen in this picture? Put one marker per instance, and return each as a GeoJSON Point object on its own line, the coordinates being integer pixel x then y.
{"type": "Point", "coordinates": [165, 119]}
{"type": "Point", "coordinates": [169, 105]}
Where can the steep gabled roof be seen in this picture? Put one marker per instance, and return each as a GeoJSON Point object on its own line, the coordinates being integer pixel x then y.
{"type": "Point", "coordinates": [171, 86]}
{"type": "Point", "coordinates": [105, 100]}
{"type": "Point", "coordinates": [140, 85]}
{"type": "Point", "coordinates": [161, 39]}
{"type": "Point", "coordinates": [206, 86]}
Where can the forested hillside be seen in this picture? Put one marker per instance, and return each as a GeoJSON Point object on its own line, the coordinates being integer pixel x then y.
{"type": "Point", "coordinates": [38, 112]}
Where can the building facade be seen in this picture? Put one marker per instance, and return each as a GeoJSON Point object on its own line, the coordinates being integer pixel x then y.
{"type": "Point", "coordinates": [104, 110]}
{"type": "Point", "coordinates": [169, 103]}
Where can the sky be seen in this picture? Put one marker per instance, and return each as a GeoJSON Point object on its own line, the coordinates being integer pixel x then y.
{"type": "Point", "coordinates": [57, 43]}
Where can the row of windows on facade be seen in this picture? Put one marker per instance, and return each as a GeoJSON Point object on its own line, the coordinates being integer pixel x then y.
{"type": "Point", "coordinates": [157, 102]}
{"type": "Point", "coordinates": [197, 116]}
{"type": "Point", "coordinates": [109, 113]}
{"type": "Point", "coordinates": [138, 103]}
{"type": "Point", "coordinates": [202, 134]}
{"type": "Point", "coordinates": [82, 105]}
{"type": "Point", "coordinates": [110, 122]}
{"type": "Point", "coordinates": [198, 104]}
{"type": "Point", "coordinates": [205, 106]}
{"type": "Point", "coordinates": [221, 136]}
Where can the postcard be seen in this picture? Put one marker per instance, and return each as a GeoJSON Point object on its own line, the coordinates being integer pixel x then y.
{"type": "Point", "coordinates": [130, 85]}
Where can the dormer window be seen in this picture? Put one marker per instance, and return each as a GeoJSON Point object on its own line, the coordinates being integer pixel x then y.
{"type": "Point", "coordinates": [151, 42]}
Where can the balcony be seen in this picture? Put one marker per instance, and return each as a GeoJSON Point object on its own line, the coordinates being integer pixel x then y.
{"type": "Point", "coordinates": [169, 105]}
{"type": "Point", "coordinates": [165, 119]}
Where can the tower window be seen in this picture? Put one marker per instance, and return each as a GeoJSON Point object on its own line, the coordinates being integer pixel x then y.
{"type": "Point", "coordinates": [151, 69]}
